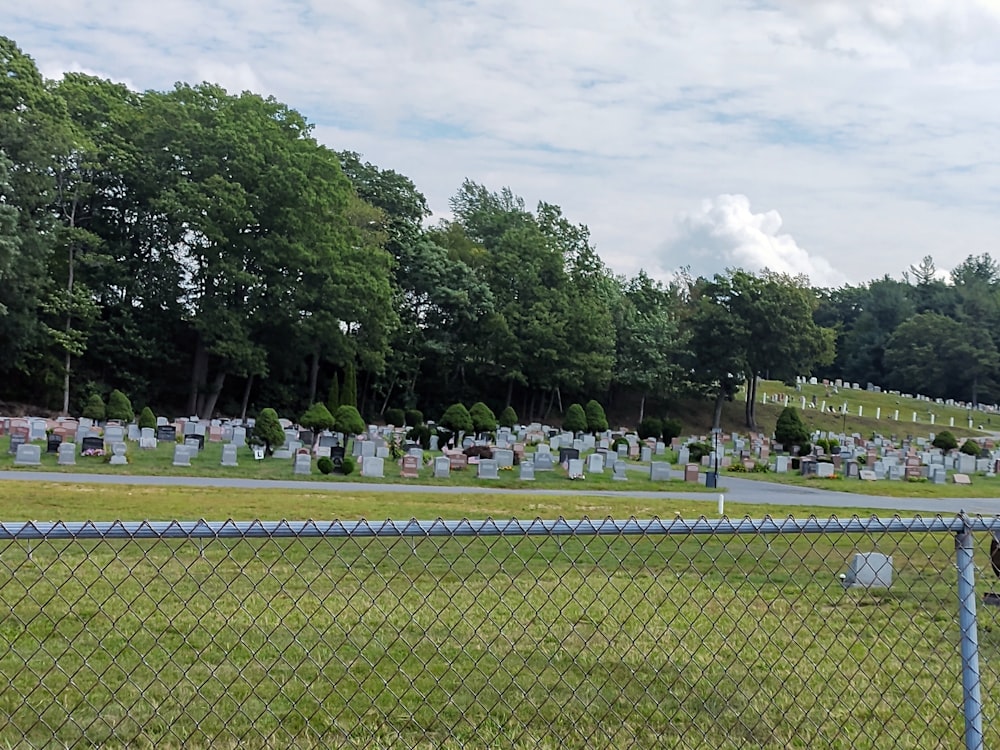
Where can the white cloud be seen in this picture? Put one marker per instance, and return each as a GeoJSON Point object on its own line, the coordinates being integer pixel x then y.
{"type": "Point", "coordinates": [725, 233]}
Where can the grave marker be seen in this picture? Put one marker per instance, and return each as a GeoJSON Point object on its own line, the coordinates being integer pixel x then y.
{"type": "Point", "coordinates": [28, 454]}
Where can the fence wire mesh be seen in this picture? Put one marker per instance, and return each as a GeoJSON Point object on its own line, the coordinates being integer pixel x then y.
{"type": "Point", "coordinates": [559, 634]}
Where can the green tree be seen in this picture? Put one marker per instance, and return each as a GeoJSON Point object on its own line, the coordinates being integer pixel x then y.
{"type": "Point", "coordinates": [597, 420]}
{"type": "Point", "coordinates": [147, 420]}
{"type": "Point", "coordinates": [333, 398]}
{"type": "Point", "coordinates": [575, 419]}
{"type": "Point", "coordinates": [945, 441]}
{"type": "Point", "coordinates": [395, 417]}
{"type": "Point", "coordinates": [456, 418]}
{"type": "Point", "coordinates": [790, 429]}
{"type": "Point", "coordinates": [650, 427]}
{"type": "Point", "coordinates": [267, 431]}
{"type": "Point", "coordinates": [483, 419]}
{"type": "Point", "coordinates": [508, 417]}
{"type": "Point", "coordinates": [94, 408]}
{"type": "Point", "coordinates": [317, 418]}
{"type": "Point", "coordinates": [349, 393]}
{"type": "Point", "coordinates": [120, 407]}
{"type": "Point", "coordinates": [348, 420]}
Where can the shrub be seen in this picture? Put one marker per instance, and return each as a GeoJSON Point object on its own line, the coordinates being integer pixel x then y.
{"type": "Point", "coordinates": [970, 448]}
{"type": "Point", "coordinates": [478, 451]}
{"type": "Point", "coordinates": [945, 441]}
{"type": "Point", "coordinates": [420, 434]}
{"type": "Point", "coordinates": [333, 398]}
{"type": "Point", "coordinates": [147, 418]}
{"type": "Point", "coordinates": [790, 429]}
{"type": "Point", "coordinates": [414, 417]}
{"type": "Point", "coordinates": [267, 431]}
{"type": "Point", "coordinates": [483, 418]}
{"type": "Point", "coordinates": [618, 441]}
{"type": "Point", "coordinates": [349, 393]}
{"type": "Point", "coordinates": [508, 417]}
{"type": "Point", "coordinates": [348, 421]}
{"type": "Point", "coordinates": [395, 417]}
{"type": "Point", "coordinates": [828, 445]}
{"type": "Point", "coordinates": [575, 419]}
{"type": "Point", "coordinates": [347, 466]}
{"type": "Point", "coordinates": [697, 451]}
{"type": "Point", "coordinates": [672, 428]}
{"type": "Point", "coordinates": [325, 465]}
{"type": "Point", "coordinates": [317, 418]}
{"type": "Point", "coordinates": [94, 408]}
{"type": "Point", "coordinates": [119, 407]}
{"type": "Point", "coordinates": [456, 418]}
{"type": "Point", "coordinates": [650, 427]}
{"type": "Point", "coordinates": [597, 420]}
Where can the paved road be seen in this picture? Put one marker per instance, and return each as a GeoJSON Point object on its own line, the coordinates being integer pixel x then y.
{"type": "Point", "coordinates": [736, 490]}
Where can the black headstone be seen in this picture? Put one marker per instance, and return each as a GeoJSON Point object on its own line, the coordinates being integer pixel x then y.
{"type": "Point", "coordinates": [17, 439]}
{"type": "Point", "coordinates": [92, 444]}
{"type": "Point", "coordinates": [565, 454]}
{"type": "Point", "coordinates": [306, 437]}
{"type": "Point", "coordinates": [328, 441]}
{"type": "Point", "coordinates": [53, 443]}
{"type": "Point", "coordinates": [166, 433]}
{"type": "Point", "coordinates": [200, 439]}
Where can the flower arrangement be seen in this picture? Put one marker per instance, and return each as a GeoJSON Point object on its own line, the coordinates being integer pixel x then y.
{"type": "Point", "coordinates": [93, 452]}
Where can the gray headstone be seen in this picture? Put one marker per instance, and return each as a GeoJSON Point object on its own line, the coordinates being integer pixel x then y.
{"type": "Point", "coordinates": [16, 441]}
{"type": "Point", "coordinates": [368, 449]}
{"type": "Point", "coordinates": [661, 448]}
{"type": "Point", "coordinates": [229, 454]}
{"type": "Point", "coordinates": [527, 471]}
{"type": "Point", "coordinates": [239, 436]}
{"type": "Point", "coordinates": [114, 434]}
{"type": "Point", "coordinates": [824, 470]}
{"type": "Point", "coordinates": [282, 453]}
{"type": "Point", "coordinates": [543, 462]}
{"type": "Point", "coordinates": [659, 471]}
{"type": "Point", "coordinates": [382, 451]}
{"type": "Point", "coordinates": [182, 455]}
{"type": "Point", "coordinates": [684, 457]}
{"type": "Point", "coordinates": [503, 457]}
{"type": "Point", "coordinates": [869, 570]}
{"type": "Point", "coordinates": [442, 467]}
{"type": "Point", "coordinates": [67, 455]}
{"type": "Point", "coordinates": [620, 469]}
{"type": "Point", "coordinates": [488, 469]}
{"type": "Point", "coordinates": [303, 464]}
{"type": "Point", "coordinates": [372, 466]}
{"type": "Point", "coordinates": [134, 433]}
{"type": "Point", "coordinates": [646, 454]}
{"type": "Point", "coordinates": [28, 455]}
{"type": "Point", "coordinates": [575, 469]}
{"type": "Point", "coordinates": [118, 451]}
{"type": "Point", "coordinates": [434, 442]}
{"type": "Point", "coordinates": [781, 464]}
{"type": "Point", "coordinates": [595, 463]}
{"type": "Point", "coordinates": [417, 453]}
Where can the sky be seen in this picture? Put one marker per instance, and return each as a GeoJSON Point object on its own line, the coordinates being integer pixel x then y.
{"type": "Point", "coordinates": [844, 140]}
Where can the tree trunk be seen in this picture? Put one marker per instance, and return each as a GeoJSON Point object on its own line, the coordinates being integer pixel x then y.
{"type": "Point", "coordinates": [720, 399]}
{"type": "Point", "coordinates": [212, 397]}
{"type": "Point", "coordinates": [559, 396]}
{"type": "Point", "coordinates": [199, 370]}
{"type": "Point", "coordinates": [313, 377]}
{"type": "Point", "coordinates": [975, 390]}
{"type": "Point", "coordinates": [69, 359]}
{"type": "Point", "coordinates": [528, 415]}
{"type": "Point", "coordinates": [246, 398]}
{"type": "Point", "coordinates": [642, 406]}
{"type": "Point", "coordinates": [388, 395]}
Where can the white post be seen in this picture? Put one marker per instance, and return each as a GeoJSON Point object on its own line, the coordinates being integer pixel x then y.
{"type": "Point", "coordinates": [861, 410]}
{"type": "Point", "coordinates": [914, 416]}
{"type": "Point", "coordinates": [804, 404]}
{"type": "Point", "coordinates": [895, 416]}
{"type": "Point", "coordinates": [878, 412]}
{"type": "Point", "coordinates": [822, 407]}
{"type": "Point", "coordinates": [763, 398]}
{"type": "Point", "coordinates": [932, 417]}
{"type": "Point", "coordinates": [951, 421]}
{"type": "Point", "coordinates": [722, 505]}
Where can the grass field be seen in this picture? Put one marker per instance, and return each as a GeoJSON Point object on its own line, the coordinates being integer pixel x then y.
{"type": "Point", "coordinates": [574, 642]}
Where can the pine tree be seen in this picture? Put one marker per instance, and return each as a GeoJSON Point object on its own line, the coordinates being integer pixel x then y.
{"type": "Point", "coordinates": [333, 398]}
{"type": "Point", "coordinates": [349, 393]}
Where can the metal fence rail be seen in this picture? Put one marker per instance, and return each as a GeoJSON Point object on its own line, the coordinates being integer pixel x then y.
{"type": "Point", "coordinates": [729, 633]}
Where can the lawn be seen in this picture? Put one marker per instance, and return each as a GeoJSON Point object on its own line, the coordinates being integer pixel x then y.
{"type": "Point", "coordinates": [981, 486]}
{"type": "Point", "coordinates": [553, 642]}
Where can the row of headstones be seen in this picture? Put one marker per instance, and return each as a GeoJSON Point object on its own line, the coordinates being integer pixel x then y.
{"type": "Point", "coordinates": [30, 454]}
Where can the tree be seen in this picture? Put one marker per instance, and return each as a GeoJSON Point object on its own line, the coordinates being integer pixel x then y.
{"type": "Point", "coordinates": [597, 420]}
{"type": "Point", "coordinates": [945, 441]}
{"type": "Point", "coordinates": [349, 393]}
{"type": "Point", "coordinates": [317, 418]}
{"type": "Point", "coordinates": [333, 398]}
{"type": "Point", "coordinates": [348, 420]}
{"type": "Point", "coordinates": [456, 418]}
{"type": "Point", "coordinates": [119, 407]}
{"type": "Point", "coordinates": [790, 429]}
{"type": "Point", "coordinates": [267, 431]}
{"type": "Point", "coordinates": [94, 408]}
{"type": "Point", "coordinates": [650, 427]}
{"type": "Point", "coordinates": [575, 419]}
{"type": "Point", "coordinates": [147, 420]}
{"type": "Point", "coordinates": [508, 417]}
{"type": "Point", "coordinates": [483, 419]}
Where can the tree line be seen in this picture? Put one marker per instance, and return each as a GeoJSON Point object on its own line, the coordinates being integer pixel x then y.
{"type": "Point", "coordinates": [203, 253]}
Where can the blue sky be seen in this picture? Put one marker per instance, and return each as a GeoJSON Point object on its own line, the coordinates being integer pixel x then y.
{"type": "Point", "coordinates": [844, 140]}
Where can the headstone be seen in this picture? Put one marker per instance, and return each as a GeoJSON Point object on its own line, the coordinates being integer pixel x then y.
{"type": "Point", "coordinates": [113, 434]}
{"type": "Point", "coordinates": [372, 466]}
{"type": "Point", "coordinates": [118, 451]}
{"type": "Point", "coordinates": [91, 445]}
{"type": "Point", "coordinates": [368, 449]}
{"type": "Point", "coordinates": [382, 451]}
{"type": "Point", "coordinates": [239, 436]}
{"type": "Point", "coordinates": [337, 454]}
{"type": "Point", "coordinates": [504, 458]}
{"type": "Point", "coordinates": [147, 438]}
{"type": "Point", "coordinates": [824, 470]}
{"type": "Point", "coordinates": [966, 464]}
{"type": "Point", "coordinates": [434, 442]}
{"type": "Point", "coordinates": [646, 455]}
{"type": "Point", "coordinates": [303, 464]}
{"type": "Point", "coordinates": [851, 469]}
{"type": "Point", "coordinates": [869, 570]}
{"type": "Point", "coordinates": [17, 439]}
{"type": "Point", "coordinates": [691, 473]}
{"type": "Point", "coordinates": [568, 454]}
{"type": "Point", "coordinates": [52, 443]}
{"type": "Point", "coordinates": [684, 456]}
{"type": "Point", "coordinates": [661, 448]}
{"type": "Point", "coordinates": [67, 454]}
{"type": "Point", "coordinates": [938, 475]}
{"type": "Point", "coordinates": [36, 429]}
{"type": "Point", "coordinates": [229, 453]}
{"type": "Point", "coordinates": [527, 471]}
{"type": "Point", "coordinates": [182, 455]}
{"type": "Point", "coordinates": [410, 467]}
{"type": "Point", "coordinates": [781, 464]}
{"type": "Point", "coordinates": [543, 461]}
{"type": "Point", "coordinates": [595, 463]}
{"type": "Point", "coordinates": [659, 471]}
{"type": "Point", "coordinates": [28, 454]}
{"type": "Point", "coordinates": [622, 450]}
{"type": "Point", "coordinates": [619, 468]}
{"type": "Point", "coordinates": [442, 467]}
{"type": "Point", "coordinates": [868, 475]}
{"type": "Point", "coordinates": [166, 433]}
{"type": "Point", "coordinates": [575, 468]}
{"type": "Point", "coordinates": [961, 479]}
{"type": "Point", "coordinates": [488, 468]}
{"type": "Point", "coordinates": [896, 472]}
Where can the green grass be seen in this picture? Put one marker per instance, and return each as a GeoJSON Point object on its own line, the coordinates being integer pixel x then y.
{"type": "Point", "coordinates": [981, 486]}
{"type": "Point", "coordinates": [575, 642]}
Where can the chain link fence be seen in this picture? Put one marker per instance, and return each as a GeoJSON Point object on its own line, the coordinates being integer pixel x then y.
{"type": "Point", "coordinates": [537, 634]}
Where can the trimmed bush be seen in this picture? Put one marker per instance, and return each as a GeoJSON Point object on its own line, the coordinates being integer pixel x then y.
{"type": "Point", "coordinates": [348, 465]}
{"type": "Point", "coordinates": [650, 427]}
{"type": "Point", "coordinates": [94, 408]}
{"type": "Point", "coordinates": [325, 465]}
{"type": "Point", "coordinates": [395, 417]}
{"type": "Point", "coordinates": [147, 419]}
{"type": "Point", "coordinates": [483, 418]}
{"type": "Point", "coordinates": [791, 430]}
{"type": "Point", "coordinates": [945, 441]}
{"type": "Point", "coordinates": [456, 418]}
{"type": "Point", "coordinates": [420, 434]}
{"type": "Point", "coordinates": [970, 448]}
{"type": "Point", "coordinates": [697, 451]}
{"type": "Point", "coordinates": [575, 419]}
{"type": "Point", "coordinates": [616, 442]}
{"type": "Point", "coordinates": [317, 418]}
{"type": "Point", "coordinates": [119, 407]}
{"type": "Point", "coordinates": [349, 393]}
{"type": "Point", "coordinates": [597, 420]}
{"type": "Point", "coordinates": [348, 421]}
{"type": "Point", "coordinates": [672, 428]}
{"type": "Point", "coordinates": [267, 431]}
{"type": "Point", "coordinates": [508, 417]}
{"type": "Point", "coordinates": [414, 417]}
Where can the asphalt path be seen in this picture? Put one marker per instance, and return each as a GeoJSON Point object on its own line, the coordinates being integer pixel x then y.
{"type": "Point", "coordinates": [736, 490]}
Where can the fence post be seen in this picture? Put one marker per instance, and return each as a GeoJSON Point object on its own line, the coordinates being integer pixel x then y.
{"type": "Point", "coordinates": [969, 635]}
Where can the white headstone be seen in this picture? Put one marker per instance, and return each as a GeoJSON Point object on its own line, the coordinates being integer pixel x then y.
{"type": "Point", "coordinates": [67, 454]}
{"type": "Point", "coordinates": [373, 466]}
{"type": "Point", "coordinates": [442, 467]}
{"type": "Point", "coordinates": [488, 469]}
{"type": "Point", "coordinates": [118, 451]}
